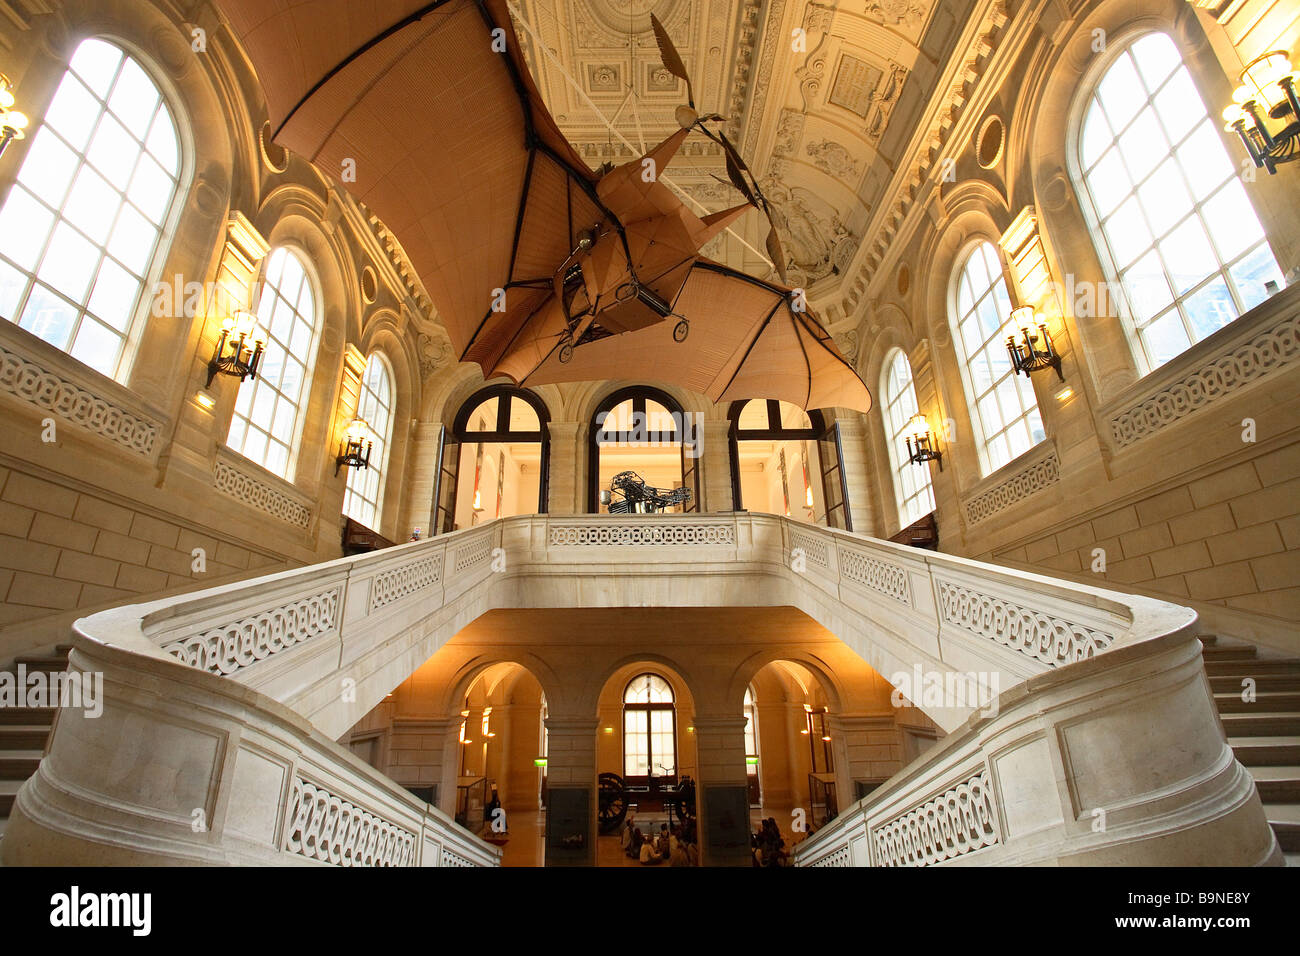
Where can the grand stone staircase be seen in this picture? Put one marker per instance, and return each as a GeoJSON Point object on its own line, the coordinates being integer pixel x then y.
{"type": "Point", "coordinates": [1264, 735]}
{"type": "Point", "coordinates": [24, 732]}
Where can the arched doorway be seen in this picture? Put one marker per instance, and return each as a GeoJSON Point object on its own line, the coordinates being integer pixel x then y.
{"type": "Point", "coordinates": [643, 430]}
{"type": "Point", "coordinates": [785, 460]}
{"type": "Point", "coordinates": [496, 461]}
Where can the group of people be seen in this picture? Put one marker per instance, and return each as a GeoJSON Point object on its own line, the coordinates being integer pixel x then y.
{"type": "Point", "coordinates": [676, 847]}
{"type": "Point", "coordinates": [768, 845]}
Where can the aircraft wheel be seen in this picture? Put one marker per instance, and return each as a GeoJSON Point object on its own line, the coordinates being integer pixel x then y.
{"type": "Point", "coordinates": [566, 353]}
{"type": "Point", "coordinates": [681, 330]}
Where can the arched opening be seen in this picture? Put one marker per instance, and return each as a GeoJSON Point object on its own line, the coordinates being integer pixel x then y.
{"type": "Point", "coordinates": [495, 464]}
{"type": "Point", "coordinates": [646, 760]}
{"type": "Point", "coordinates": [784, 460]}
{"type": "Point", "coordinates": [644, 431]}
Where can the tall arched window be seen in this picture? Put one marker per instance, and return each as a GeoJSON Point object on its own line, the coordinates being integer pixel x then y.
{"type": "Point", "coordinates": [643, 430]}
{"type": "Point", "coordinates": [751, 748]}
{"type": "Point", "coordinates": [912, 489]}
{"type": "Point", "coordinates": [269, 409]}
{"type": "Point", "coordinates": [785, 461]}
{"type": "Point", "coordinates": [495, 461]}
{"type": "Point", "coordinates": [81, 228]}
{"type": "Point", "coordinates": [1003, 409]}
{"type": "Point", "coordinates": [364, 496]}
{"type": "Point", "coordinates": [649, 728]}
{"type": "Point", "coordinates": [1170, 218]}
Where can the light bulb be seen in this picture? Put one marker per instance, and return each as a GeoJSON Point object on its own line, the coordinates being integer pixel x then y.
{"type": "Point", "coordinates": [1023, 318]}
{"type": "Point", "coordinates": [15, 120]}
{"type": "Point", "coordinates": [917, 428]}
{"type": "Point", "coordinates": [6, 98]}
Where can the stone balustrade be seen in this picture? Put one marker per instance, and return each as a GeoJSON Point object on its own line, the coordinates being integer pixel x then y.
{"type": "Point", "coordinates": [222, 705]}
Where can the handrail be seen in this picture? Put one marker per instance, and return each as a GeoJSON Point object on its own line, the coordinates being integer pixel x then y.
{"type": "Point", "coordinates": [259, 677]}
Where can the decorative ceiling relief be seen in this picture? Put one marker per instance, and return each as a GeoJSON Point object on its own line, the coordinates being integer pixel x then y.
{"type": "Point", "coordinates": [435, 352]}
{"type": "Point", "coordinates": [897, 11]}
{"type": "Point", "coordinates": [788, 133]}
{"type": "Point", "coordinates": [855, 83]}
{"type": "Point", "coordinates": [817, 244]}
{"type": "Point", "coordinates": [834, 160]}
{"type": "Point", "coordinates": [884, 99]}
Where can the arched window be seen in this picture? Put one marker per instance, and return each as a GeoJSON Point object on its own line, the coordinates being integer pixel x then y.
{"type": "Point", "coordinates": [912, 489]}
{"type": "Point", "coordinates": [269, 408]}
{"type": "Point", "coordinates": [364, 496]}
{"type": "Point", "coordinates": [751, 748]}
{"type": "Point", "coordinates": [1184, 250]}
{"type": "Point", "coordinates": [785, 461]}
{"type": "Point", "coordinates": [1003, 409]}
{"type": "Point", "coordinates": [643, 430]}
{"type": "Point", "coordinates": [495, 462]}
{"type": "Point", "coordinates": [649, 728]}
{"type": "Point", "coordinates": [81, 228]}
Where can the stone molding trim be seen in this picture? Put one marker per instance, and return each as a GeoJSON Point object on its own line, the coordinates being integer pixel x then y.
{"type": "Point", "coordinates": [325, 827]}
{"type": "Point", "coordinates": [404, 580]}
{"type": "Point", "coordinates": [1030, 480]}
{"type": "Point", "coordinates": [1216, 378]}
{"type": "Point", "coordinates": [73, 403]}
{"type": "Point", "coordinates": [955, 823]}
{"type": "Point", "coordinates": [259, 494]}
{"type": "Point", "coordinates": [887, 579]}
{"type": "Point", "coordinates": [231, 647]}
{"type": "Point", "coordinates": [1051, 640]}
{"type": "Point", "coordinates": [641, 534]}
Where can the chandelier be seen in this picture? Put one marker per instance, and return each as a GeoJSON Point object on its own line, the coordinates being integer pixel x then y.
{"type": "Point", "coordinates": [13, 124]}
{"type": "Point", "coordinates": [1265, 112]}
{"type": "Point", "coordinates": [1026, 356]}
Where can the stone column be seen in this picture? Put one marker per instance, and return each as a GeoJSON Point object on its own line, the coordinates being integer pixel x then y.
{"type": "Point", "coordinates": [722, 791]}
{"type": "Point", "coordinates": [443, 756]}
{"type": "Point", "coordinates": [571, 791]}
{"type": "Point", "coordinates": [715, 465]}
{"type": "Point", "coordinates": [866, 747]}
{"type": "Point", "coordinates": [563, 476]}
{"type": "Point", "coordinates": [853, 442]}
{"type": "Point", "coordinates": [421, 509]}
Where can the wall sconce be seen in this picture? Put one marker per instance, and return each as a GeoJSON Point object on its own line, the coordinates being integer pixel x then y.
{"type": "Point", "coordinates": [1265, 112]}
{"type": "Point", "coordinates": [351, 450]}
{"type": "Point", "coordinates": [246, 340]}
{"type": "Point", "coordinates": [13, 124]}
{"type": "Point", "coordinates": [1029, 357]}
{"type": "Point", "coordinates": [921, 446]}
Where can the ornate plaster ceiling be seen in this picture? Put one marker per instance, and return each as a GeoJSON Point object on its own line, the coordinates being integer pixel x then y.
{"type": "Point", "coordinates": [821, 117]}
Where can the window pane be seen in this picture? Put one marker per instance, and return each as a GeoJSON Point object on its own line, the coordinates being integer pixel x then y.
{"type": "Point", "coordinates": [1193, 203]}
{"type": "Point", "coordinates": [365, 487]}
{"type": "Point", "coordinates": [273, 402]}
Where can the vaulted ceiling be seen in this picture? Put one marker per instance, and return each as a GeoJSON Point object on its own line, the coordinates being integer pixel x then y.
{"type": "Point", "coordinates": [821, 99]}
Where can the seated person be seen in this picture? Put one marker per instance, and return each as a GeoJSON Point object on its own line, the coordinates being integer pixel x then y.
{"type": "Point", "coordinates": [678, 855]}
{"type": "Point", "coordinates": [634, 844]}
{"type": "Point", "coordinates": [648, 855]}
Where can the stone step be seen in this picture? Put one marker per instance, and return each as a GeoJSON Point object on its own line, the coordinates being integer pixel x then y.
{"type": "Point", "coordinates": [1266, 751]}
{"type": "Point", "coordinates": [1284, 818]}
{"type": "Point", "coordinates": [19, 764]}
{"type": "Point", "coordinates": [1254, 667]}
{"type": "Point", "coordinates": [1261, 724]}
{"type": "Point", "coordinates": [29, 716]}
{"type": "Point", "coordinates": [1277, 784]}
{"type": "Point", "coordinates": [1227, 683]}
{"type": "Point", "coordinates": [1269, 701]}
{"type": "Point", "coordinates": [24, 736]}
{"type": "Point", "coordinates": [8, 792]}
{"type": "Point", "coordinates": [50, 665]}
{"type": "Point", "coordinates": [1228, 652]}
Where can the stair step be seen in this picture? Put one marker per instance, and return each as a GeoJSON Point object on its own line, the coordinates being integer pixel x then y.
{"type": "Point", "coordinates": [1277, 784]}
{"type": "Point", "coordinates": [1269, 701]}
{"type": "Point", "coordinates": [1228, 652]}
{"type": "Point", "coordinates": [1266, 751]}
{"type": "Point", "coordinates": [50, 665]}
{"type": "Point", "coordinates": [19, 764]}
{"type": "Point", "coordinates": [1252, 667]}
{"type": "Point", "coordinates": [1284, 818]}
{"type": "Point", "coordinates": [1261, 724]}
{"type": "Point", "coordinates": [1225, 683]}
{"type": "Point", "coordinates": [29, 716]}
{"type": "Point", "coordinates": [23, 737]}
